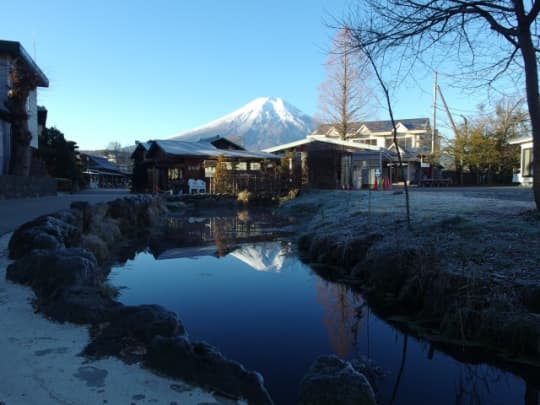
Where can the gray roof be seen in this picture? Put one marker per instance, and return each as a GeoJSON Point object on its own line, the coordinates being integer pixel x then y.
{"type": "Point", "coordinates": [16, 50]}
{"type": "Point", "coordinates": [203, 148]}
{"type": "Point", "coordinates": [99, 162]}
{"type": "Point", "coordinates": [412, 124]}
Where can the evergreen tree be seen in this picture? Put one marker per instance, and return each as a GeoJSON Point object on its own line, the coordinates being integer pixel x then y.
{"type": "Point", "coordinates": [60, 155]}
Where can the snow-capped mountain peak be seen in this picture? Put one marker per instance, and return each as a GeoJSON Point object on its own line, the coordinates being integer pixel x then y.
{"type": "Point", "coordinates": [262, 123]}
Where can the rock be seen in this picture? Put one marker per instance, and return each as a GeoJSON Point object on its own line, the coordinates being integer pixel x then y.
{"type": "Point", "coordinates": [107, 229]}
{"type": "Point", "coordinates": [41, 233]}
{"type": "Point", "coordinates": [70, 216]}
{"type": "Point", "coordinates": [97, 246]}
{"type": "Point", "coordinates": [50, 270]}
{"type": "Point", "coordinates": [82, 305]}
{"type": "Point", "coordinates": [333, 381]}
{"type": "Point", "coordinates": [147, 321]}
{"type": "Point", "coordinates": [203, 365]}
{"type": "Point", "coordinates": [138, 325]}
{"type": "Point", "coordinates": [86, 212]}
{"type": "Point", "coordinates": [371, 370]}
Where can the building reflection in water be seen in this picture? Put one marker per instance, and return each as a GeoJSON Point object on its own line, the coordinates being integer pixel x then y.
{"type": "Point", "coordinates": [225, 232]}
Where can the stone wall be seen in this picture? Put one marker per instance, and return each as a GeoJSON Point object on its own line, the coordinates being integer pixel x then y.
{"type": "Point", "coordinates": [26, 186]}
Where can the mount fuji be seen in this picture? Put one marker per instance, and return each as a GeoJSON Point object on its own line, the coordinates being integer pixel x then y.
{"type": "Point", "coordinates": [260, 124]}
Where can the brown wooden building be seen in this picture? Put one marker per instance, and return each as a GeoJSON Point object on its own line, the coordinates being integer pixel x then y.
{"type": "Point", "coordinates": [172, 165]}
{"type": "Point", "coordinates": [333, 163]}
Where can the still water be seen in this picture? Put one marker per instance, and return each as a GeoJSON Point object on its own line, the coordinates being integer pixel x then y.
{"type": "Point", "coordinates": [261, 306]}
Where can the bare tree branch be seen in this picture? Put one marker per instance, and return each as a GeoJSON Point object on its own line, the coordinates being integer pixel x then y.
{"type": "Point", "coordinates": [470, 30]}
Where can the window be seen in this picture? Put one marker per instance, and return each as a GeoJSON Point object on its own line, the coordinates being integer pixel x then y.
{"type": "Point", "coordinates": [403, 142]}
{"type": "Point", "coordinates": [527, 162]}
{"type": "Point", "coordinates": [193, 168]}
{"type": "Point", "coordinates": [210, 171]}
{"type": "Point", "coordinates": [173, 173]}
{"type": "Point", "coordinates": [241, 166]}
{"type": "Point", "coordinates": [255, 166]}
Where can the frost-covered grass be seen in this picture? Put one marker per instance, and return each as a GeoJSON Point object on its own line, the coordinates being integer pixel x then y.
{"type": "Point", "coordinates": [483, 233]}
{"type": "Point", "coordinates": [468, 268]}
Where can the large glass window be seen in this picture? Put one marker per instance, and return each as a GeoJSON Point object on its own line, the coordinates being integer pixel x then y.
{"type": "Point", "coordinates": [526, 162]}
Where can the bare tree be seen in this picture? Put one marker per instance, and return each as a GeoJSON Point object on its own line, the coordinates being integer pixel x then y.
{"type": "Point", "coordinates": [23, 81]}
{"type": "Point", "coordinates": [487, 38]}
{"type": "Point", "coordinates": [344, 95]}
{"type": "Point", "coordinates": [115, 148]}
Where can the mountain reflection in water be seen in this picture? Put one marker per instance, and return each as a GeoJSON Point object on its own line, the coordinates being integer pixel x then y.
{"type": "Point", "coordinates": [261, 306]}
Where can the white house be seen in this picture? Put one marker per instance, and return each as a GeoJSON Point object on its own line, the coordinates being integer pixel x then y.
{"type": "Point", "coordinates": [366, 154]}
{"type": "Point", "coordinates": [525, 175]}
{"type": "Point", "coordinates": [11, 52]}
{"type": "Point", "coordinates": [413, 134]}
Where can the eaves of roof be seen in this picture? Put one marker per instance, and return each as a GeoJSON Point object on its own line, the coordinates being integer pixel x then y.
{"type": "Point", "coordinates": [16, 50]}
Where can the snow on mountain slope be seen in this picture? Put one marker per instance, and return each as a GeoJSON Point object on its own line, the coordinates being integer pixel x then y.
{"type": "Point", "coordinates": [263, 257]}
{"type": "Point", "coordinates": [262, 123]}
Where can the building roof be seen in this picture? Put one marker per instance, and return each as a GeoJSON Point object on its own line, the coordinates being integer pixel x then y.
{"type": "Point", "coordinates": [377, 127]}
{"type": "Point", "coordinates": [520, 140]}
{"type": "Point", "coordinates": [203, 148]}
{"type": "Point", "coordinates": [217, 139]}
{"type": "Point", "coordinates": [323, 139]}
{"type": "Point", "coordinates": [16, 50]}
{"type": "Point", "coordinates": [102, 164]}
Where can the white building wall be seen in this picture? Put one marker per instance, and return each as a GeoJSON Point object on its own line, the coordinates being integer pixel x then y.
{"type": "Point", "coordinates": [32, 117]}
{"type": "Point", "coordinates": [4, 126]}
{"type": "Point", "coordinates": [525, 181]}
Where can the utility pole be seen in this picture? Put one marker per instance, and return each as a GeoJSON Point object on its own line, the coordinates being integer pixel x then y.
{"type": "Point", "coordinates": [434, 128]}
{"type": "Point", "coordinates": [454, 128]}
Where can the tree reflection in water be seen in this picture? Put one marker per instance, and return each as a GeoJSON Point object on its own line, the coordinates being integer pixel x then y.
{"type": "Point", "coordinates": [340, 315]}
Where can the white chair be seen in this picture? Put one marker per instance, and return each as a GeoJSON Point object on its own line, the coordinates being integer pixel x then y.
{"type": "Point", "coordinates": [196, 186]}
{"type": "Point", "coordinates": [200, 186]}
{"type": "Point", "coordinates": [191, 186]}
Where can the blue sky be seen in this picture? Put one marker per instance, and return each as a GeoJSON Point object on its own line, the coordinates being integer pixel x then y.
{"type": "Point", "coordinates": [136, 70]}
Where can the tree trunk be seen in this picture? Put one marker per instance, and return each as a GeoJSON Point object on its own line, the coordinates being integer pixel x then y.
{"type": "Point", "coordinates": [533, 102]}
{"type": "Point", "coordinates": [21, 154]}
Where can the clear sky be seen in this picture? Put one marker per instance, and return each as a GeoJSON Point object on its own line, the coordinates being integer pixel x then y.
{"type": "Point", "coordinates": [126, 70]}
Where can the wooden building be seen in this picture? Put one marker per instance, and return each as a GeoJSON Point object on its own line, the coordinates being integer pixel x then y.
{"type": "Point", "coordinates": [365, 155]}
{"type": "Point", "coordinates": [333, 163]}
{"type": "Point", "coordinates": [169, 165]}
{"type": "Point", "coordinates": [100, 173]}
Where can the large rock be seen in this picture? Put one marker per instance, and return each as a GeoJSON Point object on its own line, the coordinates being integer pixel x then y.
{"type": "Point", "coordinates": [70, 216]}
{"type": "Point", "coordinates": [80, 304]}
{"type": "Point", "coordinates": [333, 381]}
{"type": "Point", "coordinates": [201, 364]}
{"type": "Point", "coordinates": [85, 209]}
{"type": "Point", "coordinates": [46, 232]}
{"type": "Point", "coordinates": [128, 326]}
{"type": "Point", "coordinates": [48, 271]}
{"type": "Point", "coordinates": [97, 246]}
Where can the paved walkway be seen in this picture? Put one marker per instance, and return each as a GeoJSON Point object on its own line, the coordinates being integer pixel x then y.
{"type": "Point", "coordinates": [16, 211]}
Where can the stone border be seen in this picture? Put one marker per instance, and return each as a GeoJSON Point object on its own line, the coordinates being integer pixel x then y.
{"type": "Point", "coordinates": [65, 257]}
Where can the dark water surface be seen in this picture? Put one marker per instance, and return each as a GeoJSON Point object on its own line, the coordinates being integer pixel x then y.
{"type": "Point", "coordinates": [261, 306]}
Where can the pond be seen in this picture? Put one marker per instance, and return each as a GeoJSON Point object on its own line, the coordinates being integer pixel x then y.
{"type": "Point", "coordinates": [237, 284]}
